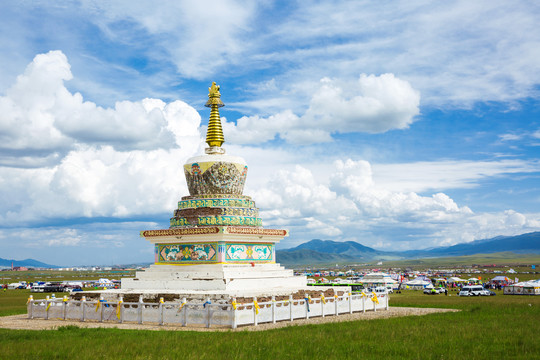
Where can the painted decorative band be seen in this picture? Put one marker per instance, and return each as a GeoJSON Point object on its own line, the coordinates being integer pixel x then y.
{"type": "Point", "coordinates": [198, 203]}
{"type": "Point", "coordinates": [172, 232]}
{"type": "Point", "coordinates": [218, 220]}
{"type": "Point", "coordinates": [251, 231]}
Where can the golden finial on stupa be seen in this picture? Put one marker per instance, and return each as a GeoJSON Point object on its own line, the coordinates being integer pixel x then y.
{"type": "Point", "coordinates": [214, 134]}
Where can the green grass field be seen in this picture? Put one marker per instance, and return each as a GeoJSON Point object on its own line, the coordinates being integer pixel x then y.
{"type": "Point", "coordinates": [494, 327]}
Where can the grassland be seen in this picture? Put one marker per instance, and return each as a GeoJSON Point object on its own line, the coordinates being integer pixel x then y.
{"type": "Point", "coordinates": [501, 259]}
{"type": "Point", "coordinates": [487, 328]}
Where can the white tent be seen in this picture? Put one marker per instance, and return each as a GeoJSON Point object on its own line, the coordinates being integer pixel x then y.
{"type": "Point", "coordinates": [523, 288]}
{"type": "Point", "coordinates": [417, 284]}
{"type": "Point", "coordinates": [454, 279]}
{"type": "Point", "coordinates": [378, 279]}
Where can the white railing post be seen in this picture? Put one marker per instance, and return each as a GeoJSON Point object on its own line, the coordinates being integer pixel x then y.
{"type": "Point", "coordinates": [291, 307]}
{"type": "Point", "coordinates": [234, 305]}
{"type": "Point", "coordinates": [350, 302]}
{"type": "Point", "coordinates": [30, 307]}
{"type": "Point", "coordinates": [306, 300]}
{"type": "Point", "coordinates": [336, 303]}
{"type": "Point", "coordinates": [160, 311]}
{"type": "Point", "coordinates": [273, 309]}
{"type": "Point", "coordinates": [255, 304]}
{"type": "Point", "coordinates": [374, 304]}
{"type": "Point", "coordinates": [363, 303]}
{"type": "Point", "coordinates": [321, 298]}
{"type": "Point", "coordinates": [140, 310]}
{"type": "Point", "coordinates": [387, 301]}
{"type": "Point", "coordinates": [47, 308]}
{"type": "Point", "coordinates": [208, 312]}
{"type": "Point", "coordinates": [185, 309]}
{"type": "Point", "coordinates": [102, 308]}
{"type": "Point", "coordinates": [83, 308]}
{"type": "Point", "coordinates": [64, 301]}
{"type": "Point", "coordinates": [121, 311]}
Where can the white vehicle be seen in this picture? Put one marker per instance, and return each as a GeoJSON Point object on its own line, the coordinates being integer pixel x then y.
{"type": "Point", "coordinates": [377, 290]}
{"type": "Point", "coordinates": [38, 288]}
{"type": "Point", "coordinates": [473, 290]}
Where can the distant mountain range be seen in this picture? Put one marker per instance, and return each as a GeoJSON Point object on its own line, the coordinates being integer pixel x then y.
{"type": "Point", "coordinates": [25, 263]}
{"type": "Point", "coordinates": [328, 251]}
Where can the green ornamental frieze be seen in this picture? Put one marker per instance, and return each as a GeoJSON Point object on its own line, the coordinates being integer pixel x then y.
{"type": "Point", "coordinates": [217, 220]}
{"type": "Point", "coordinates": [223, 202]}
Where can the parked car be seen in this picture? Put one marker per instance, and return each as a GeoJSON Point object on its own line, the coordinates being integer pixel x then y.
{"type": "Point", "coordinates": [53, 288]}
{"type": "Point", "coordinates": [434, 291]}
{"type": "Point", "coordinates": [473, 290]}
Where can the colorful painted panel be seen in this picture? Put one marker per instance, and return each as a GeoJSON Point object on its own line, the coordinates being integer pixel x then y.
{"type": "Point", "coordinates": [249, 252]}
{"type": "Point", "coordinates": [186, 253]}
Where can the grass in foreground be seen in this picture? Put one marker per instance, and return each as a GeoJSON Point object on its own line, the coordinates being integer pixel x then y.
{"type": "Point", "coordinates": [486, 328]}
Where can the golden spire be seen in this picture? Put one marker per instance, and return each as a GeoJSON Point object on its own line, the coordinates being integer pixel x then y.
{"type": "Point", "coordinates": [214, 134]}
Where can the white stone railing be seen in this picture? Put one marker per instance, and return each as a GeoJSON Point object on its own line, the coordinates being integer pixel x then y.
{"type": "Point", "coordinates": [205, 314]}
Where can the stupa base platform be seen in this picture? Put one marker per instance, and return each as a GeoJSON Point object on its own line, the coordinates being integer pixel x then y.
{"type": "Point", "coordinates": [230, 279]}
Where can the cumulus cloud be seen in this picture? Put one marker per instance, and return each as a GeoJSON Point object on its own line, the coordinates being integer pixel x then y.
{"type": "Point", "coordinates": [42, 120]}
{"type": "Point", "coordinates": [351, 205]}
{"type": "Point", "coordinates": [373, 104]}
{"type": "Point", "coordinates": [64, 157]}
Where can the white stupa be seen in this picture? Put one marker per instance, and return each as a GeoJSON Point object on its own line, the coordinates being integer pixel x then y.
{"type": "Point", "coordinates": [216, 243]}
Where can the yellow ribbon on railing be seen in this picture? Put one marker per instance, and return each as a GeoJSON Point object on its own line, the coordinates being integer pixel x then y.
{"type": "Point", "coordinates": [97, 305]}
{"type": "Point", "coordinates": [234, 305]}
{"type": "Point", "coordinates": [257, 307]}
{"type": "Point", "coordinates": [161, 301]}
{"type": "Point", "coordinates": [30, 298]}
{"type": "Point", "coordinates": [375, 299]}
{"type": "Point", "coordinates": [323, 299]}
{"type": "Point", "coordinates": [48, 306]}
{"type": "Point", "coordinates": [181, 306]}
{"type": "Point", "coordinates": [119, 308]}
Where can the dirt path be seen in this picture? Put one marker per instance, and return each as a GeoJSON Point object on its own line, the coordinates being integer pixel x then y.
{"type": "Point", "coordinates": [20, 322]}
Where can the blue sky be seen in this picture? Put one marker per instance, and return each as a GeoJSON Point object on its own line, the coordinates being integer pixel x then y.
{"type": "Point", "coordinates": [400, 125]}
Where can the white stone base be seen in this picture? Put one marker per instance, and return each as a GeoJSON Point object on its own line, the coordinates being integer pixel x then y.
{"type": "Point", "coordinates": [230, 279]}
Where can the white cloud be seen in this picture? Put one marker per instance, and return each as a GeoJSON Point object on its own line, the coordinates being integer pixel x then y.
{"type": "Point", "coordinates": [510, 137]}
{"type": "Point", "coordinates": [42, 119]}
{"type": "Point", "coordinates": [199, 37]}
{"type": "Point", "coordinates": [454, 53]}
{"type": "Point", "coordinates": [373, 104]}
{"type": "Point", "coordinates": [350, 204]}
{"type": "Point", "coordinates": [447, 174]}
{"type": "Point", "coordinates": [63, 157]}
